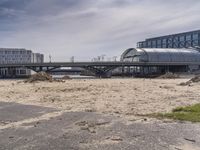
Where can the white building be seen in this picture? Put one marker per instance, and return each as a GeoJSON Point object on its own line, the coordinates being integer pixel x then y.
{"type": "Point", "coordinates": [13, 56]}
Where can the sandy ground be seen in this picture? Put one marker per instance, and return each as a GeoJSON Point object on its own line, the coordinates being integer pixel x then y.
{"type": "Point", "coordinates": [123, 97]}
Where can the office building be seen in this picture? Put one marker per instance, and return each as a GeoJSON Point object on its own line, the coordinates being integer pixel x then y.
{"type": "Point", "coordinates": [16, 56]}
{"type": "Point", "coordinates": [180, 40]}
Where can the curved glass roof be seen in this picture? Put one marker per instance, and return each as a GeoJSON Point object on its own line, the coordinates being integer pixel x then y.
{"type": "Point", "coordinates": [161, 55]}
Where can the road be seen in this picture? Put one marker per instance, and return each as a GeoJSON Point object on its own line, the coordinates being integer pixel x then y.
{"type": "Point", "coordinates": [31, 127]}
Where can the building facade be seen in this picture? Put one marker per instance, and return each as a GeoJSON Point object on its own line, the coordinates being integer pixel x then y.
{"type": "Point", "coordinates": [37, 58]}
{"type": "Point", "coordinates": [16, 56]}
{"type": "Point", "coordinates": [164, 55]}
{"type": "Point", "coordinates": [180, 40]}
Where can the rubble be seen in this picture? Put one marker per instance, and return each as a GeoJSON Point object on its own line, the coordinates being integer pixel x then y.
{"type": "Point", "coordinates": [193, 80]}
{"type": "Point", "coordinates": [169, 75]}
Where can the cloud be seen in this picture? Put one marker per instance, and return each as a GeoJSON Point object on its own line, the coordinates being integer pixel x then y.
{"type": "Point", "coordinates": [87, 28]}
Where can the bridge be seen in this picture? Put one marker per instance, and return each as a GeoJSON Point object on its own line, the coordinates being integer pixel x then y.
{"type": "Point", "coordinates": [98, 68]}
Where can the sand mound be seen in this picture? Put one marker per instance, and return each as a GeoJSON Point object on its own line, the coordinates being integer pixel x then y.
{"type": "Point", "coordinates": [41, 76]}
{"type": "Point", "coordinates": [193, 80]}
{"type": "Point", "coordinates": [169, 75]}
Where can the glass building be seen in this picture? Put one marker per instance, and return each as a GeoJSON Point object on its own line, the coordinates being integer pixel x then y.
{"type": "Point", "coordinates": [180, 40]}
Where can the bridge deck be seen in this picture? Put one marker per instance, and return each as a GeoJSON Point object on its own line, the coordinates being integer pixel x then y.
{"type": "Point", "coordinates": [100, 69]}
{"type": "Point", "coordinates": [83, 64]}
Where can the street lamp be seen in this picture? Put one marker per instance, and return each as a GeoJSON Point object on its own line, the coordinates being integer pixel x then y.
{"type": "Point", "coordinates": [102, 57]}
{"type": "Point", "coordinates": [50, 58]}
{"type": "Point", "coordinates": [72, 59]}
{"type": "Point", "coordinates": [115, 58]}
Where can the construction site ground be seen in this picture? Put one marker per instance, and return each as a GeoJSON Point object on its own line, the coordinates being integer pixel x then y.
{"type": "Point", "coordinates": [34, 127]}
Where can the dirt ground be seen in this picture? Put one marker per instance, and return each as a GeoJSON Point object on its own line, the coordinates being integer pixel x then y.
{"type": "Point", "coordinates": [122, 97]}
{"type": "Point", "coordinates": [96, 114]}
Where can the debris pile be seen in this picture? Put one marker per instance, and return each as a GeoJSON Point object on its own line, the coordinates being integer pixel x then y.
{"type": "Point", "coordinates": [41, 76]}
{"type": "Point", "coordinates": [169, 75]}
{"type": "Point", "coordinates": [193, 80]}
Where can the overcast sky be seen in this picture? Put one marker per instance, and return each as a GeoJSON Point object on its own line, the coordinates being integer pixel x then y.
{"type": "Point", "coordinates": [88, 28]}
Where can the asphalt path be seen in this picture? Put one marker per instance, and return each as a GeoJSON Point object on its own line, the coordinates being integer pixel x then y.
{"type": "Point", "coordinates": [24, 127]}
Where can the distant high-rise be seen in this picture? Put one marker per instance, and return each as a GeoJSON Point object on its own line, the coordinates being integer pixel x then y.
{"type": "Point", "coordinates": [180, 40]}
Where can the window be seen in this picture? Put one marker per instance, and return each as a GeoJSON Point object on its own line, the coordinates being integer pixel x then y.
{"type": "Point", "coordinates": [164, 41]}
{"type": "Point", "coordinates": [188, 37]}
{"type": "Point", "coordinates": [188, 44]}
{"type": "Point", "coordinates": [195, 43]}
{"type": "Point", "coordinates": [144, 44]}
{"type": "Point", "coordinates": [182, 38]}
{"type": "Point", "coordinates": [195, 36]}
{"type": "Point", "coordinates": [164, 46]}
{"type": "Point", "coordinates": [170, 42]}
{"type": "Point", "coordinates": [149, 43]}
{"type": "Point", "coordinates": [159, 42]}
{"type": "Point", "coordinates": [153, 43]}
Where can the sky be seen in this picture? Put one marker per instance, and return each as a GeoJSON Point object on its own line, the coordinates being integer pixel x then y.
{"type": "Point", "coordinates": [89, 28]}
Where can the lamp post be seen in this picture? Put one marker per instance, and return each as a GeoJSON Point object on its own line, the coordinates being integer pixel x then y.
{"type": "Point", "coordinates": [102, 57]}
{"type": "Point", "coordinates": [50, 58]}
{"type": "Point", "coordinates": [72, 59]}
{"type": "Point", "coordinates": [115, 58]}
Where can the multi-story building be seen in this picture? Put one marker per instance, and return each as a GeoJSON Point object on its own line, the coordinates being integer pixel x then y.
{"type": "Point", "coordinates": [37, 58]}
{"type": "Point", "coordinates": [13, 56]}
{"type": "Point", "coordinates": [180, 40]}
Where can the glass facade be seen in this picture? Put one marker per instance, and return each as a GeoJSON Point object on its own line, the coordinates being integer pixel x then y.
{"type": "Point", "coordinates": [181, 40]}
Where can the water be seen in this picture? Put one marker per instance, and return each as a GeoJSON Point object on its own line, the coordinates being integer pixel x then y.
{"type": "Point", "coordinates": [74, 77]}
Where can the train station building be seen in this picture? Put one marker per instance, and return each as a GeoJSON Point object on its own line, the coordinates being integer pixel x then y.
{"type": "Point", "coordinates": [162, 55]}
{"type": "Point", "coordinates": [168, 49]}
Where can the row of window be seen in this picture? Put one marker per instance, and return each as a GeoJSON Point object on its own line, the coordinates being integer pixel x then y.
{"type": "Point", "coordinates": [14, 56]}
{"type": "Point", "coordinates": [12, 61]}
{"type": "Point", "coordinates": [18, 72]}
{"type": "Point", "coordinates": [160, 43]}
{"type": "Point", "coordinates": [14, 52]}
{"type": "Point", "coordinates": [176, 41]}
{"type": "Point", "coordinates": [9, 58]}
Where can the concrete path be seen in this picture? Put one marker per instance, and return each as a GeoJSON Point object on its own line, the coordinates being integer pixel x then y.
{"type": "Point", "coordinates": [36, 128]}
{"type": "Point", "coordinates": [13, 112]}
